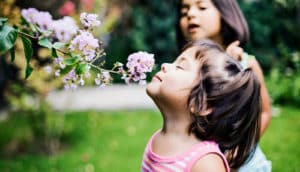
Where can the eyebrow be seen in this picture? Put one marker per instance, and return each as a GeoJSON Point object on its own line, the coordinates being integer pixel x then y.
{"type": "Point", "coordinates": [197, 2]}
{"type": "Point", "coordinates": [187, 62]}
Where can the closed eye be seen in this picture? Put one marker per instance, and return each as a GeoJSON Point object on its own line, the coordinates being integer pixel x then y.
{"type": "Point", "coordinates": [179, 67]}
{"type": "Point", "coordinates": [183, 14]}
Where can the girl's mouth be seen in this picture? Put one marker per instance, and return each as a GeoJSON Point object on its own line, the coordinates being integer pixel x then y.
{"type": "Point", "coordinates": [157, 77]}
{"type": "Point", "coordinates": [193, 27]}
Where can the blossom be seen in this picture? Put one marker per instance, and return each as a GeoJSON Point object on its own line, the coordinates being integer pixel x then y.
{"type": "Point", "coordinates": [138, 64]}
{"type": "Point", "coordinates": [98, 79]}
{"type": "Point", "coordinates": [86, 43]}
{"type": "Point", "coordinates": [48, 69]}
{"type": "Point", "coordinates": [57, 73]}
{"type": "Point", "coordinates": [71, 80]}
{"type": "Point", "coordinates": [81, 81]}
{"type": "Point", "coordinates": [41, 18]}
{"type": "Point", "coordinates": [59, 61]}
{"type": "Point", "coordinates": [29, 14]}
{"type": "Point", "coordinates": [44, 20]}
{"type": "Point", "coordinates": [103, 79]}
{"type": "Point", "coordinates": [89, 20]}
{"type": "Point", "coordinates": [82, 49]}
{"type": "Point", "coordinates": [64, 29]}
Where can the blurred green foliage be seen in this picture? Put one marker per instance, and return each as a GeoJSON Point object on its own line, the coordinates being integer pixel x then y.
{"type": "Point", "coordinates": [275, 40]}
{"type": "Point", "coordinates": [146, 26]}
{"type": "Point", "coordinates": [273, 25]}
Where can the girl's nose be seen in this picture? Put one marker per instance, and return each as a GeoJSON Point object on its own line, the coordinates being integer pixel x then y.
{"type": "Point", "coordinates": [165, 67]}
{"type": "Point", "coordinates": [191, 12]}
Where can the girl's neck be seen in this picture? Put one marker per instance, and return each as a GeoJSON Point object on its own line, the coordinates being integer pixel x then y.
{"type": "Point", "coordinates": [175, 122]}
{"type": "Point", "coordinates": [219, 40]}
{"type": "Point", "coordinates": [176, 129]}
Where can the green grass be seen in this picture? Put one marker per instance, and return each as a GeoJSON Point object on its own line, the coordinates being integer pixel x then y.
{"type": "Point", "coordinates": [97, 141]}
{"type": "Point", "coordinates": [281, 141]}
{"type": "Point", "coordinates": [115, 141]}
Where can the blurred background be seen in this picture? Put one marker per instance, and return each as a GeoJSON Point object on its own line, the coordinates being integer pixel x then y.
{"type": "Point", "coordinates": [43, 128]}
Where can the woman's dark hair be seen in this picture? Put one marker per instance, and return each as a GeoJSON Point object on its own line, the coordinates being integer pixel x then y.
{"type": "Point", "coordinates": [233, 24]}
{"type": "Point", "coordinates": [233, 96]}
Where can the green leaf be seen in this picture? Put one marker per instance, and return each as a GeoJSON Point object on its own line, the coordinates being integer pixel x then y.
{"type": "Point", "coordinates": [8, 37]}
{"type": "Point", "coordinates": [24, 21]}
{"type": "Point", "coordinates": [66, 70]}
{"type": "Point", "coordinates": [28, 54]}
{"type": "Point", "coordinates": [58, 45]}
{"type": "Point", "coordinates": [81, 68]}
{"type": "Point", "coordinates": [47, 33]}
{"type": "Point", "coordinates": [12, 54]}
{"type": "Point", "coordinates": [45, 42]}
{"type": "Point", "coordinates": [54, 53]}
{"type": "Point", "coordinates": [72, 60]}
{"type": "Point", "coordinates": [2, 21]}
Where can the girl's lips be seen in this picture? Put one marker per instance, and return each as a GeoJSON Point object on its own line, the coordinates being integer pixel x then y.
{"type": "Point", "coordinates": [157, 77]}
{"type": "Point", "coordinates": [192, 28]}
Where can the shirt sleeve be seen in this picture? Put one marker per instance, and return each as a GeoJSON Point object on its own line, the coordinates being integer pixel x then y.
{"type": "Point", "coordinates": [245, 60]}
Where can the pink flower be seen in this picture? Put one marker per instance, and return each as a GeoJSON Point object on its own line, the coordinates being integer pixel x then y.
{"type": "Point", "coordinates": [29, 14]}
{"type": "Point", "coordinates": [138, 64]}
{"type": "Point", "coordinates": [67, 9]}
{"type": "Point", "coordinates": [48, 69]}
{"type": "Point", "coordinates": [64, 29]}
{"type": "Point", "coordinates": [41, 18]}
{"type": "Point", "coordinates": [89, 20]}
{"type": "Point", "coordinates": [86, 43]}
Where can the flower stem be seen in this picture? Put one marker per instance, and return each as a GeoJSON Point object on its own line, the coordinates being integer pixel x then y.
{"type": "Point", "coordinates": [101, 69]}
{"type": "Point", "coordinates": [62, 51]}
{"type": "Point", "coordinates": [25, 34]}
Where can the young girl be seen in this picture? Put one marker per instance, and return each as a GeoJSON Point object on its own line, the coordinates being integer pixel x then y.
{"type": "Point", "coordinates": [223, 22]}
{"type": "Point", "coordinates": [203, 102]}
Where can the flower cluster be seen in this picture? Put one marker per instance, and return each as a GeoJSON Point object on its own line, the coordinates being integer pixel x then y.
{"type": "Point", "coordinates": [89, 20]}
{"type": "Point", "coordinates": [63, 29]}
{"type": "Point", "coordinates": [40, 18]}
{"type": "Point", "coordinates": [86, 43]}
{"type": "Point", "coordinates": [80, 49]}
{"type": "Point", "coordinates": [138, 64]}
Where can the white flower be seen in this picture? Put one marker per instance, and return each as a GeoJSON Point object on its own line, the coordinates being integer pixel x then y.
{"type": "Point", "coordinates": [89, 20]}
{"type": "Point", "coordinates": [64, 29]}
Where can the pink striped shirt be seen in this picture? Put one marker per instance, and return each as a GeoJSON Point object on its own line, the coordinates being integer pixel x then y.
{"type": "Point", "coordinates": [182, 163]}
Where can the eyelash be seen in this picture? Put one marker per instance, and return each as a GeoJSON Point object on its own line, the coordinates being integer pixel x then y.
{"type": "Point", "coordinates": [182, 14]}
{"type": "Point", "coordinates": [179, 67]}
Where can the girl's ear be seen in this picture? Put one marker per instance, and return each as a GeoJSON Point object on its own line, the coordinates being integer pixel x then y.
{"type": "Point", "coordinates": [203, 112]}
{"type": "Point", "coordinates": [206, 112]}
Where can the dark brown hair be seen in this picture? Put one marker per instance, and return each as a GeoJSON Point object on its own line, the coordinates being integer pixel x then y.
{"type": "Point", "coordinates": [233, 24]}
{"type": "Point", "coordinates": [233, 95]}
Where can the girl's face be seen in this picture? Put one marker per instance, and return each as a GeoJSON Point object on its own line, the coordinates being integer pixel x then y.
{"type": "Point", "coordinates": [173, 83]}
{"type": "Point", "coordinates": [200, 19]}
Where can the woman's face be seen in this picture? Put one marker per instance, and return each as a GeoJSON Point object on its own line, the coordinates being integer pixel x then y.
{"type": "Point", "coordinates": [200, 19]}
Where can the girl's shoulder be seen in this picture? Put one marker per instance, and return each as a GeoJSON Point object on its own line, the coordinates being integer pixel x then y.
{"type": "Point", "coordinates": [209, 158]}
{"type": "Point", "coordinates": [211, 162]}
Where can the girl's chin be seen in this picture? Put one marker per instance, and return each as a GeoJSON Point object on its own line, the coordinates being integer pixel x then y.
{"type": "Point", "coordinates": [151, 89]}
{"type": "Point", "coordinates": [197, 36]}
